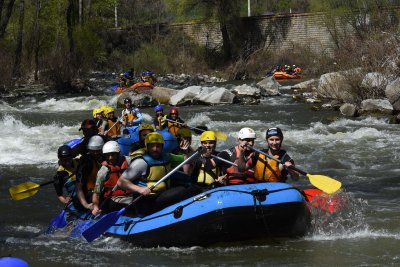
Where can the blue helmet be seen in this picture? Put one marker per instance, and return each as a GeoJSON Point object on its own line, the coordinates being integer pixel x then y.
{"type": "Point", "coordinates": [158, 108]}
{"type": "Point", "coordinates": [13, 262]}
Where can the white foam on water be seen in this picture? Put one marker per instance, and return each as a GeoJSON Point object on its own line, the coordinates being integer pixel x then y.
{"type": "Point", "coordinates": [23, 144]}
{"type": "Point", "coordinates": [25, 229]}
{"type": "Point", "coordinates": [71, 104]}
{"type": "Point", "coordinates": [4, 106]}
{"type": "Point", "coordinates": [360, 234]}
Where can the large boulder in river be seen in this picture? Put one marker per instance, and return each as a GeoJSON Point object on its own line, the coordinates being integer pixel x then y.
{"type": "Point", "coordinates": [269, 87]}
{"type": "Point", "coordinates": [247, 90]}
{"type": "Point", "coordinates": [375, 80]}
{"type": "Point", "coordinates": [348, 110]}
{"type": "Point", "coordinates": [310, 85]}
{"type": "Point", "coordinates": [185, 96]}
{"type": "Point", "coordinates": [393, 93]}
{"type": "Point", "coordinates": [335, 85]}
{"type": "Point", "coordinates": [215, 95]}
{"type": "Point", "coordinates": [379, 106]}
{"type": "Point", "coordinates": [162, 94]}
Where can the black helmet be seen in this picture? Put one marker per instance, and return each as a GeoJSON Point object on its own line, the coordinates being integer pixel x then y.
{"type": "Point", "coordinates": [274, 132]}
{"type": "Point", "coordinates": [127, 100]}
{"type": "Point", "coordinates": [64, 152]}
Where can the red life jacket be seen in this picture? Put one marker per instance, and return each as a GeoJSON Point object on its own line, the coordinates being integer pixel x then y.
{"type": "Point", "coordinates": [114, 173]}
{"type": "Point", "coordinates": [234, 175]}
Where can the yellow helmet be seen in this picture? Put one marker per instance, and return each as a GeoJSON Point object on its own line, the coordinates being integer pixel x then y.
{"type": "Point", "coordinates": [96, 111]}
{"type": "Point", "coordinates": [146, 127]}
{"type": "Point", "coordinates": [208, 136]}
{"type": "Point", "coordinates": [107, 109]}
{"type": "Point", "coordinates": [153, 138]}
{"type": "Point", "coordinates": [184, 132]}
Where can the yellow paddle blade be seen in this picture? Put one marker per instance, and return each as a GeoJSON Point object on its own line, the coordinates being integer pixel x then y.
{"type": "Point", "coordinates": [221, 136]}
{"type": "Point", "coordinates": [24, 190]}
{"type": "Point", "coordinates": [324, 183]}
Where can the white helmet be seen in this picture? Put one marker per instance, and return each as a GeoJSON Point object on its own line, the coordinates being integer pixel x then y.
{"type": "Point", "coordinates": [246, 133]}
{"type": "Point", "coordinates": [95, 143]}
{"type": "Point", "coordinates": [111, 147]}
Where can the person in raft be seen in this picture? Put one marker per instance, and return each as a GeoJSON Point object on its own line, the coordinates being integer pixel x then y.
{"type": "Point", "coordinates": [268, 170]}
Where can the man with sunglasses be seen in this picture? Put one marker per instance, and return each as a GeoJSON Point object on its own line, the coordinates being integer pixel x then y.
{"type": "Point", "coordinates": [132, 116]}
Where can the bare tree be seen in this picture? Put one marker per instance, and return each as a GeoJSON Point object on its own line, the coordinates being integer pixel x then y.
{"type": "Point", "coordinates": [18, 49]}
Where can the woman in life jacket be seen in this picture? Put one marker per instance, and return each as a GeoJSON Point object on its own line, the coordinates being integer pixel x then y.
{"type": "Point", "coordinates": [65, 177]}
{"type": "Point", "coordinates": [89, 165]}
{"type": "Point", "coordinates": [113, 123]}
{"type": "Point", "coordinates": [174, 122]}
{"type": "Point", "coordinates": [106, 190]}
{"type": "Point", "coordinates": [159, 119]}
{"type": "Point", "coordinates": [243, 156]}
{"type": "Point", "coordinates": [268, 170]}
{"type": "Point", "coordinates": [207, 172]}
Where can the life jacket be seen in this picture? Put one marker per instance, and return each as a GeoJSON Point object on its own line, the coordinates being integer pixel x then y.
{"type": "Point", "coordinates": [91, 179]}
{"type": "Point", "coordinates": [130, 116]}
{"type": "Point", "coordinates": [174, 127]}
{"type": "Point", "coordinates": [207, 177]}
{"type": "Point", "coordinates": [69, 184]}
{"type": "Point", "coordinates": [137, 153]}
{"type": "Point", "coordinates": [234, 176]}
{"type": "Point", "coordinates": [267, 170]}
{"type": "Point", "coordinates": [157, 169]}
{"type": "Point", "coordinates": [114, 130]}
{"type": "Point", "coordinates": [114, 173]}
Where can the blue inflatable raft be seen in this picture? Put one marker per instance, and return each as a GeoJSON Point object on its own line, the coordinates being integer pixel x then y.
{"type": "Point", "coordinates": [224, 214]}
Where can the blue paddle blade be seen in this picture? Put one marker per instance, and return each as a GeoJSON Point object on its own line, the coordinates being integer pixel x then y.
{"type": "Point", "coordinates": [102, 225]}
{"type": "Point", "coordinates": [57, 222]}
{"type": "Point", "coordinates": [80, 228]}
{"type": "Point", "coordinates": [114, 87]}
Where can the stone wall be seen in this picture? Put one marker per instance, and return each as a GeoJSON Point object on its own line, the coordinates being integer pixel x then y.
{"type": "Point", "coordinates": [270, 32]}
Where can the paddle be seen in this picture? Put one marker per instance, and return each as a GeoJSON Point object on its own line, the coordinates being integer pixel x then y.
{"type": "Point", "coordinates": [325, 183]}
{"type": "Point", "coordinates": [220, 135]}
{"type": "Point", "coordinates": [80, 228]}
{"type": "Point", "coordinates": [111, 218]}
{"type": "Point", "coordinates": [26, 190]}
{"type": "Point", "coordinates": [119, 120]}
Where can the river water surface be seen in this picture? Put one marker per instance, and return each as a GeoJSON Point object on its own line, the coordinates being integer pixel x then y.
{"type": "Point", "coordinates": [362, 153]}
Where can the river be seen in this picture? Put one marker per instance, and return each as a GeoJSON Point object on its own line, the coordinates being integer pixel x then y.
{"type": "Point", "coordinates": [362, 153]}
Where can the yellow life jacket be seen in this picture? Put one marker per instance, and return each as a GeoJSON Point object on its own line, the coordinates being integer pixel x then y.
{"type": "Point", "coordinates": [267, 170]}
{"type": "Point", "coordinates": [174, 127]}
{"type": "Point", "coordinates": [71, 171]}
{"type": "Point", "coordinates": [156, 170]}
{"type": "Point", "coordinates": [137, 153]}
{"type": "Point", "coordinates": [114, 130]}
{"type": "Point", "coordinates": [208, 177]}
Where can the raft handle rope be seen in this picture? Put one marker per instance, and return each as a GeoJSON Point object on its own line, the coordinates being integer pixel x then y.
{"type": "Point", "coordinates": [257, 195]}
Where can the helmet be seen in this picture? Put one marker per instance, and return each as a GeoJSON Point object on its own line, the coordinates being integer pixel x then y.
{"type": "Point", "coordinates": [146, 127]}
{"type": "Point", "coordinates": [121, 75]}
{"type": "Point", "coordinates": [274, 132]}
{"type": "Point", "coordinates": [96, 111]}
{"type": "Point", "coordinates": [111, 147]}
{"type": "Point", "coordinates": [87, 124]}
{"type": "Point", "coordinates": [158, 108]}
{"type": "Point", "coordinates": [208, 136]}
{"type": "Point", "coordinates": [95, 143]}
{"type": "Point", "coordinates": [127, 100]}
{"type": "Point", "coordinates": [108, 110]}
{"type": "Point", "coordinates": [13, 262]}
{"type": "Point", "coordinates": [64, 152]}
{"type": "Point", "coordinates": [173, 110]}
{"type": "Point", "coordinates": [153, 138]}
{"type": "Point", "coordinates": [184, 132]}
{"type": "Point", "coordinates": [246, 133]}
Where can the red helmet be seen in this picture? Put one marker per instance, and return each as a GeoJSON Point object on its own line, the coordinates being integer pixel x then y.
{"type": "Point", "coordinates": [173, 110]}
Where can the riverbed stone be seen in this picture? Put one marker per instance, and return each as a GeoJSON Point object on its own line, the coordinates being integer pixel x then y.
{"type": "Point", "coordinates": [138, 100]}
{"type": "Point", "coordinates": [215, 95]}
{"type": "Point", "coordinates": [392, 92]}
{"type": "Point", "coordinates": [163, 94]}
{"type": "Point", "coordinates": [247, 90]}
{"type": "Point", "coordinates": [269, 87]}
{"type": "Point", "coordinates": [380, 106]}
{"type": "Point", "coordinates": [310, 85]}
{"type": "Point", "coordinates": [375, 80]}
{"type": "Point", "coordinates": [185, 96]}
{"type": "Point", "coordinates": [334, 85]}
{"type": "Point", "coordinates": [348, 110]}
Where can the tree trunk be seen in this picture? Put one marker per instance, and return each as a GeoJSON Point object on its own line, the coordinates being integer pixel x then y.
{"type": "Point", "coordinates": [226, 43]}
{"type": "Point", "coordinates": [37, 38]}
{"type": "Point", "coordinates": [80, 12]}
{"type": "Point", "coordinates": [18, 49]}
{"type": "Point", "coordinates": [70, 27]}
{"type": "Point", "coordinates": [4, 20]}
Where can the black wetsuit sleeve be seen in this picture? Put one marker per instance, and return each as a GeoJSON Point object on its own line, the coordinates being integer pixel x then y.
{"type": "Point", "coordinates": [225, 155]}
{"type": "Point", "coordinates": [59, 181]}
